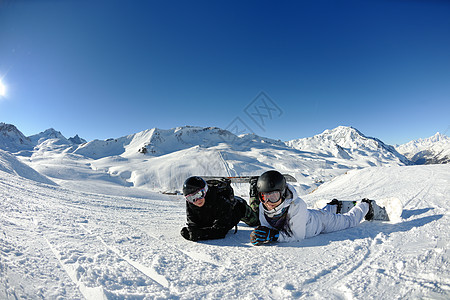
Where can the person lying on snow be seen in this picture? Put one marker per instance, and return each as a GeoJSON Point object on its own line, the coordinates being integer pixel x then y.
{"type": "Point", "coordinates": [285, 218]}
{"type": "Point", "coordinates": [212, 209]}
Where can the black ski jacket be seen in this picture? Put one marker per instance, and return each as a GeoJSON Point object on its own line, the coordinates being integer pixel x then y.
{"type": "Point", "coordinates": [214, 219]}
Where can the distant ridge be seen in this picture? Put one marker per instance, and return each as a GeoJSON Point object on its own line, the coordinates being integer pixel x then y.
{"type": "Point", "coordinates": [432, 150]}
{"type": "Point", "coordinates": [347, 143]}
{"type": "Point", "coordinates": [161, 159]}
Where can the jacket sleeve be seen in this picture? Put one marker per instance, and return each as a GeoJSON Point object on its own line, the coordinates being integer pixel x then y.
{"type": "Point", "coordinates": [296, 224]}
{"type": "Point", "coordinates": [224, 215]}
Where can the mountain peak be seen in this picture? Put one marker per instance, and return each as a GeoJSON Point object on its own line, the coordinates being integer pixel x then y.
{"type": "Point", "coordinates": [77, 140]}
{"type": "Point", "coordinates": [349, 143]}
{"type": "Point", "coordinates": [47, 135]}
{"type": "Point", "coordinates": [12, 139]}
{"type": "Point", "coordinates": [439, 137]}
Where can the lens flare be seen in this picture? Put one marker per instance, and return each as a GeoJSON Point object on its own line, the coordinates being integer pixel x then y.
{"type": "Point", "coordinates": [2, 89]}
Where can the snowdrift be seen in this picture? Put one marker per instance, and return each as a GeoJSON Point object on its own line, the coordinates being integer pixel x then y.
{"type": "Point", "coordinates": [11, 165]}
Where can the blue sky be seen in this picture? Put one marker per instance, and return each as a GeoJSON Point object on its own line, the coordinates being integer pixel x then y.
{"type": "Point", "coordinates": [284, 70]}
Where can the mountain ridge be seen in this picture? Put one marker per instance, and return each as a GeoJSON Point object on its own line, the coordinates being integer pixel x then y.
{"type": "Point", "coordinates": [432, 150]}
{"type": "Point", "coordinates": [161, 159]}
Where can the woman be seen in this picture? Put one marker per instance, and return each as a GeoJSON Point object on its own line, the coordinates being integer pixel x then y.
{"type": "Point", "coordinates": [285, 218]}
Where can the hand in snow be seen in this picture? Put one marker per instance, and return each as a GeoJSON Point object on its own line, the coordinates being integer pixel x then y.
{"type": "Point", "coordinates": [185, 233]}
{"type": "Point", "coordinates": [263, 235]}
{"type": "Point", "coordinates": [193, 234]}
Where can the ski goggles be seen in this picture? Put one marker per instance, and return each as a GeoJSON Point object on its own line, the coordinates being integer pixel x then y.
{"type": "Point", "coordinates": [192, 198]}
{"type": "Point", "coordinates": [272, 197]}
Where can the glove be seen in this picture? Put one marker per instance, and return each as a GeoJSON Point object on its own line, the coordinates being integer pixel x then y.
{"type": "Point", "coordinates": [185, 233]}
{"type": "Point", "coordinates": [191, 234]}
{"type": "Point", "coordinates": [263, 235]}
{"type": "Point", "coordinates": [208, 233]}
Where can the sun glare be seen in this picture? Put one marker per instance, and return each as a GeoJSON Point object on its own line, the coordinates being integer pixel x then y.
{"type": "Point", "coordinates": [2, 89]}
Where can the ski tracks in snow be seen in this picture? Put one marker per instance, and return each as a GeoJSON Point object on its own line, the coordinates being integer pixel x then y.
{"type": "Point", "coordinates": [351, 262]}
{"type": "Point", "coordinates": [99, 270]}
{"type": "Point", "coordinates": [150, 272]}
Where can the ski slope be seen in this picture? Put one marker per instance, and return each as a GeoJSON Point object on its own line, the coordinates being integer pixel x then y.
{"type": "Point", "coordinates": [56, 243]}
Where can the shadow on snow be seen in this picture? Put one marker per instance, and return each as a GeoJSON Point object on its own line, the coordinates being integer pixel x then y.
{"type": "Point", "coordinates": [365, 230]}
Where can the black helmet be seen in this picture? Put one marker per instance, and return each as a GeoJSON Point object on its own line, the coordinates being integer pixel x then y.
{"type": "Point", "coordinates": [271, 181]}
{"type": "Point", "coordinates": [193, 184]}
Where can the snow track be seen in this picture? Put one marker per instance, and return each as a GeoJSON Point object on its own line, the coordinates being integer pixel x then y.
{"type": "Point", "coordinates": [56, 243]}
{"type": "Point", "coordinates": [151, 273]}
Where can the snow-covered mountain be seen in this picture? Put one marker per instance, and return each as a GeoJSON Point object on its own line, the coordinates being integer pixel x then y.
{"type": "Point", "coordinates": [157, 142]}
{"type": "Point", "coordinates": [57, 137]}
{"type": "Point", "coordinates": [47, 135]}
{"type": "Point", "coordinates": [350, 144]}
{"type": "Point", "coordinates": [11, 139]}
{"type": "Point", "coordinates": [161, 160]}
{"type": "Point", "coordinates": [432, 150]}
{"type": "Point", "coordinates": [77, 140]}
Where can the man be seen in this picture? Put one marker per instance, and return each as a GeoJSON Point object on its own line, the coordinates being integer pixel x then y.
{"type": "Point", "coordinates": [212, 209]}
{"type": "Point", "coordinates": [284, 216]}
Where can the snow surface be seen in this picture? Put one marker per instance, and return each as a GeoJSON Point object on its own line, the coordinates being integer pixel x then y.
{"type": "Point", "coordinates": [59, 243]}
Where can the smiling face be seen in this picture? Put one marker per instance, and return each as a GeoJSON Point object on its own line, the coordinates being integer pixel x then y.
{"type": "Point", "coordinates": [271, 199]}
{"type": "Point", "coordinates": [199, 202]}
{"type": "Point", "coordinates": [269, 205]}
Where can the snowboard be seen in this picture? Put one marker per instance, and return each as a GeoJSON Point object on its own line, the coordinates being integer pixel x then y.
{"type": "Point", "coordinates": [387, 209]}
{"type": "Point", "coordinates": [246, 179]}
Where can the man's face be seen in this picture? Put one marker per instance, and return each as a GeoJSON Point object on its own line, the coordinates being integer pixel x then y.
{"type": "Point", "coordinates": [200, 202]}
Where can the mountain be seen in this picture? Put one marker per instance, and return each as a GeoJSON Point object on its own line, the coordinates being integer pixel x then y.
{"type": "Point", "coordinates": [432, 150]}
{"type": "Point", "coordinates": [11, 139]}
{"type": "Point", "coordinates": [161, 159]}
{"type": "Point", "coordinates": [49, 134]}
{"type": "Point", "coordinates": [77, 140]}
{"type": "Point", "coordinates": [348, 143]}
{"type": "Point", "coordinates": [157, 142]}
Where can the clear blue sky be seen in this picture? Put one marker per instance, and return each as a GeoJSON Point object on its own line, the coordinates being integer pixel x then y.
{"type": "Point", "coordinates": [105, 69]}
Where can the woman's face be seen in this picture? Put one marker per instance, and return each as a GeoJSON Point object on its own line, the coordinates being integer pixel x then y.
{"type": "Point", "coordinates": [269, 205]}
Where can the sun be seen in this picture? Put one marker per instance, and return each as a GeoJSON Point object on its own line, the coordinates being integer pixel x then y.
{"type": "Point", "coordinates": [2, 89]}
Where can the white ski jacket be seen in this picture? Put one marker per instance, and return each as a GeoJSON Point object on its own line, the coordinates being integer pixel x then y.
{"type": "Point", "coordinates": [304, 223]}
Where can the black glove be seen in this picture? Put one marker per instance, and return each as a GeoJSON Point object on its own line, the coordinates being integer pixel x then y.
{"type": "Point", "coordinates": [185, 233]}
{"type": "Point", "coordinates": [208, 233]}
{"type": "Point", "coordinates": [263, 235]}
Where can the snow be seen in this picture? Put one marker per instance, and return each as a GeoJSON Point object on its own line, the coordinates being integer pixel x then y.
{"type": "Point", "coordinates": [89, 221]}
{"type": "Point", "coordinates": [60, 243]}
